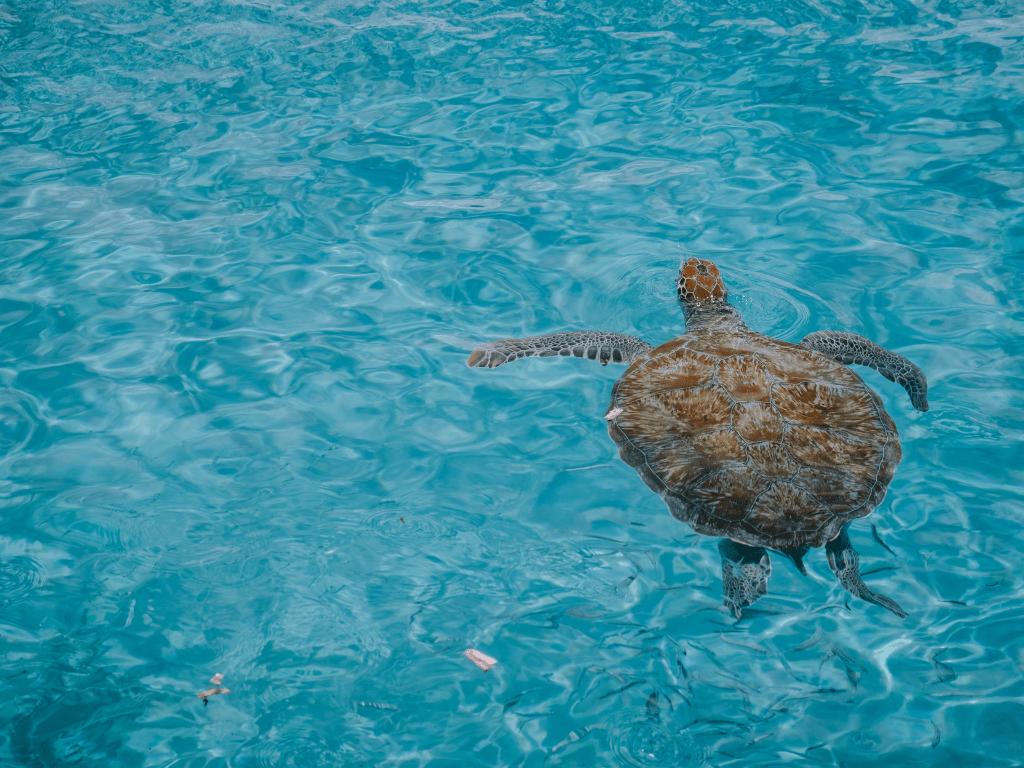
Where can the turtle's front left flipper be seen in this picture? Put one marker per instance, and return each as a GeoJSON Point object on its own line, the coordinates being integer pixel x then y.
{"type": "Point", "coordinates": [849, 348]}
{"type": "Point", "coordinates": [593, 345]}
{"type": "Point", "coordinates": [845, 564]}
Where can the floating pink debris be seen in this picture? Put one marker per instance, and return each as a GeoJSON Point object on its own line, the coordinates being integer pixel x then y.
{"type": "Point", "coordinates": [482, 660]}
{"type": "Point", "coordinates": [613, 413]}
{"type": "Point", "coordinates": [216, 680]}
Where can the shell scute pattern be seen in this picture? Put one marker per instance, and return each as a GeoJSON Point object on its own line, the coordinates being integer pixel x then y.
{"type": "Point", "coordinates": [689, 370]}
{"type": "Point", "coordinates": [755, 439]}
{"type": "Point", "coordinates": [726, 494]}
{"type": "Point", "coordinates": [772, 460]}
{"type": "Point", "coordinates": [718, 446]}
{"type": "Point", "coordinates": [704, 408]}
{"type": "Point", "coordinates": [814, 404]}
{"type": "Point", "coordinates": [803, 402]}
{"type": "Point", "coordinates": [764, 518]}
{"type": "Point", "coordinates": [825, 448]}
{"type": "Point", "coordinates": [757, 422]}
{"type": "Point", "coordinates": [744, 378]}
{"type": "Point", "coordinates": [836, 487]}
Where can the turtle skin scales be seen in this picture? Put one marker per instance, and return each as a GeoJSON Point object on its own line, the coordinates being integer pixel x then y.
{"type": "Point", "coordinates": [754, 439]}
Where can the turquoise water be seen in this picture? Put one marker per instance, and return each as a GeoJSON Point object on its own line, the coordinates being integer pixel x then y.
{"type": "Point", "coordinates": [246, 247]}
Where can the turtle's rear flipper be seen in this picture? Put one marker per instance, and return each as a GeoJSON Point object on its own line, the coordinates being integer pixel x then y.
{"type": "Point", "coordinates": [845, 564]}
{"type": "Point", "coordinates": [745, 572]}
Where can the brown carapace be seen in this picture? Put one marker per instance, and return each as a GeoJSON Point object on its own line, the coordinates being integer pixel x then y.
{"type": "Point", "coordinates": [757, 440]}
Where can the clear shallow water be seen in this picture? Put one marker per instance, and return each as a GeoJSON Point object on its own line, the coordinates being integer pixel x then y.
{"type": "Point", "coordinates": [234, 442]}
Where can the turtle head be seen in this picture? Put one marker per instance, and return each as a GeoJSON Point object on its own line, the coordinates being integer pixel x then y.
{"type": "Point", "coordinates": [700, 282]}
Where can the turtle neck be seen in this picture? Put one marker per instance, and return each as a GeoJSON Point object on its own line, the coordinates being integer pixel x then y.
{"type": "Point", "coordinates": [707, 316]}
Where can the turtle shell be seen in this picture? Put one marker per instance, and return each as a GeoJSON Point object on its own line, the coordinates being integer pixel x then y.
{"type": "Point", "coordinates": [754, 439]}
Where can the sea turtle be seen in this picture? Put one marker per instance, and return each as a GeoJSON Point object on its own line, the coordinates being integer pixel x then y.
{"type": "Point", "coordinates": [767, 444]}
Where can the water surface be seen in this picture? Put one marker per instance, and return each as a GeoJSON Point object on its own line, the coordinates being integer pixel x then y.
{"type": "Point", "coordinates": [245, 248]}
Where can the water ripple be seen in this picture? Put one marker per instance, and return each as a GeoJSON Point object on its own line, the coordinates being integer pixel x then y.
{"type": "Point", "coordinates": [649, 743]}
{"type": "Point", "coordinates": [18, 577]}
{"type": "Point", "coordinates": [398, 525]}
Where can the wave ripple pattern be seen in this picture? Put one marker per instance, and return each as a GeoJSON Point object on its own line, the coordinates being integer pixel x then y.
{"type": "Point", "coordinates": [245, 247]}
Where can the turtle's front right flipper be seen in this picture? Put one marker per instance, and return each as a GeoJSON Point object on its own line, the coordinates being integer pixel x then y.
{"type": "Point", "coordinates": [593, 345]}
{"type": "Point", "coordinates": [845, 564]}
{"type": "Point", "coordinates": [850, 348]}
